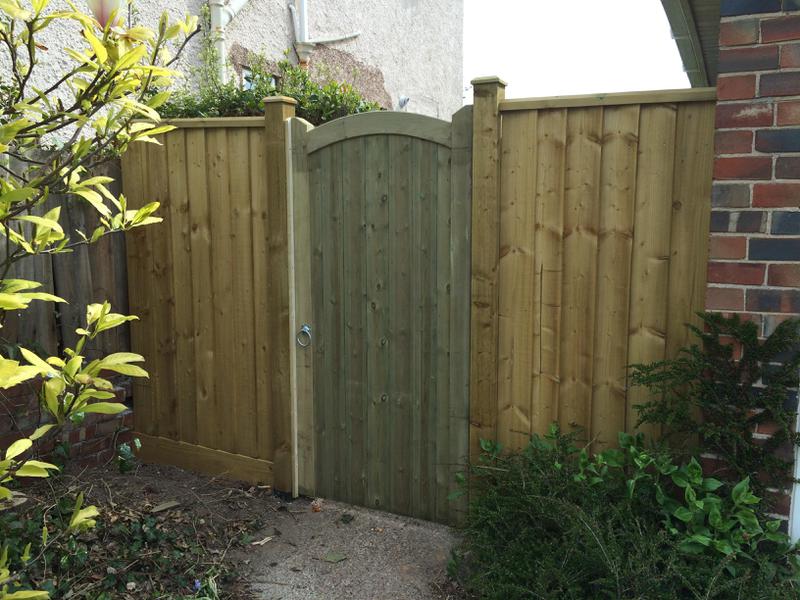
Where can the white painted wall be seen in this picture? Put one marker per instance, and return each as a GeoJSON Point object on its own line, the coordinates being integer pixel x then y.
{"type": "Point", "coordinates": [415, 44]}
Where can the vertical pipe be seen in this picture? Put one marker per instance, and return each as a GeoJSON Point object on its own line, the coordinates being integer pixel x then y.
{"type": "Point", "coordinates": [302, 21]}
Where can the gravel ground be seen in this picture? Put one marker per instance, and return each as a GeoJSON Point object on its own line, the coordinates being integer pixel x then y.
{"type": "Point", "coordinates": [348, 553]}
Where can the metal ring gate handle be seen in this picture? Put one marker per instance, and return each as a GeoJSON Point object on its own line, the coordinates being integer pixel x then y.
{"type": "Point", "coordinates": [305, 332]}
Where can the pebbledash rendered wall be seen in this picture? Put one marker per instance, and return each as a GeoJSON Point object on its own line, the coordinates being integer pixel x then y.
{"type": "Point", "coordinates": [754, 265]}
{"type": "Point", "coordinates": [404, 48]}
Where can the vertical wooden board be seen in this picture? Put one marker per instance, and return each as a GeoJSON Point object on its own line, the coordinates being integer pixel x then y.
{"type": "Point", "coordinates": [486, 133]}
{"type": "Point", "coordinates": [581, 217]}
{"type": "Point", "coordinates": [218, 164]}
{"type": "Point", "coordinates": [261, 304]}
{"type": "Point", "coordinates": [423, 218]}
{"type": "Point", "coordinates": [328, 397]}
{"type": "Point", "coordinates": [460, 268]}
{"type": "Point", "coordinates": [694, 154]}
{"type": "Point", "coordinates": [548, 240]}
{"type": "Point", "coordinates": [439, 420]}
{"type": "Point", "coordinates": [319, 166]}
{"type": "Point", "coordinates": [198, 179]}
{"type": "Point", "coordinates": [278, 286]}
{"type": "Point", "coordinates": [301, 308]}
{"type": "Point", "coordinates": [617, 196]}
{"type": "Point", "coordinates": [516, 277]}
{"type": "Point", "coordinates": [400, 261]}
{"type": "Point", "coordinates": [376, 253]}
{"type": "Point", "coordinates": [241, 215]}
{"type": "Point", "coordinates": [337, 349]}
{"type": "Point", "coordinates": [138, 254]}
{"type": "Point", "coordinates": [651, 246]}
{"type": "Point", "coordinates": [180, 238]}
{"type": "Point", "coordinates": [72, 274]}
{"type": "Point", "coordinates": [355, 343]}
{"type": "Point", "coordinates": [162, 364]}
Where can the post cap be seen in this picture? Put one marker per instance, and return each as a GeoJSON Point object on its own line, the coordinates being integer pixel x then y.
{"type": "Point", "coordinates": [279, 100]}
{"type": "Point", "coordinates": [488, 80]}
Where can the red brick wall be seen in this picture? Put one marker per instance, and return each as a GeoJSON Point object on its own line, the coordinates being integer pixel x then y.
{"type": "Point", "coordinates": [94, 441]}
{"type": "Point", "coordinates": [754, 264]}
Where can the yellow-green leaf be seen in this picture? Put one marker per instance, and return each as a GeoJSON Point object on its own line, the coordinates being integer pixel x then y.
{"type": "Point", "coordinates": [27, 595]}
{"type": "Point", "coordinates": [11, 373]}
{"type": "Point", "coordinates": [12, 301]}
{"type": "Point", "coordinates": [104, 408]}
{"type": "Point", "coordinates": [18, 195]}
{"type": "Point", "coordinates": [13, 9]}
{"type": "Point", "coordinates": [37, 362]}
{"type": "Point", "coordinates": [28, 470]}
{"type": "Point", "coordinates": [99, 50]}
{"type": "Point", "coordinates": [40, 431]}
{"type": "Point", "coordinates": [18, 447]}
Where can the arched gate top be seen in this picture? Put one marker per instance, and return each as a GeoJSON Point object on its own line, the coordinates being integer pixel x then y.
{"type": "Point", "coordinates": [379, 123]}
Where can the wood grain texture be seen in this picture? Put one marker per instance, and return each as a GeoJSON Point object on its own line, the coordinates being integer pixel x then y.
{"type": "Point", "coordinates": [615, 245]}
{"type": "Point", "coordinates": [277, 111]}
{"type": "Point", "coordinates": [381, 123]}
{"type": "Point", "coordinates": [202, 296]}
{"type": "Point", "coordinates": [548, 251]}
{"type": "Point", "coordinates": [516, 286]}
{"type": "Point", "coordinates": [241, 216]}
{"type": "Point", "coordinates": [579, 278]}
{"type": "Point", "coordinates": [616, 99]}
{"type": "Point", "coordinates": [205, 460]}
{"type": "Point", "coordinates": [181, 246]}
{"type": "Point", "coordinates": [650, 262]}
{"type": "Point", "coordinates": [460, 267]}
{"type": "Point", "coordinates": [485, 257]}
{"type": "Point", "coordinates": [301, 310]}
{"type": "Point", "coordinates": [138, 252]}
{"type": "Point", "coordinates": [618, 220]}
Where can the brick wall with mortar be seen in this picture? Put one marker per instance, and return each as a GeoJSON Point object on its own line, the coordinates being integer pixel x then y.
{"type": "Point", "coordinates": [754, 262]}
{"type": "Point", "coordinates": [91, 442]}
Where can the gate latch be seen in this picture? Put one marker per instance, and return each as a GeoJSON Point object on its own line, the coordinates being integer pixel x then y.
{"type": "Point", "coordinates": [303, 337]}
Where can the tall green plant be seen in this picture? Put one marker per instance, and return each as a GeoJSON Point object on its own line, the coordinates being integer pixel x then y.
{"type": "Point", "coordinates": [100, 104]}
{"type": "Point", "coordinates": [719, 391]}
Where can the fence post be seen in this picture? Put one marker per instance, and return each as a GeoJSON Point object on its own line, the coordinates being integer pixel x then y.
{"type": "Point", "coordinates": [486, 132]}
{"type": "Point", "coordinates": [277, 110]}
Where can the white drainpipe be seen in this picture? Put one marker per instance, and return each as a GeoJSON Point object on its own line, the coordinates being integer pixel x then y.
{"type": "Point", "coordinates": [222, 13]}
{"type": "Point", "coordinates": [303, 44]}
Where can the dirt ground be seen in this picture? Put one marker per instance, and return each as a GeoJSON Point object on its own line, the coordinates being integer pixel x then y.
{"type": "Point", "coordinates": [348, 553]}
{"type": "Point", "coordinates": [293, 550]}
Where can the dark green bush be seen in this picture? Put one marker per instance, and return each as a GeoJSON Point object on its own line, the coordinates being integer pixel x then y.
{"type": "Point", "coordinates": [717, 392]}
{"type": "Point", "coordinates": [316, 103]}
{"type": "Point", "coordinates": [552, 522]}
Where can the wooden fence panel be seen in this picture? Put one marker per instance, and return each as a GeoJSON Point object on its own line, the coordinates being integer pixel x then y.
{"type": "Point", "coordinates": [602, 216]}
{"type": "Point", "coordinates": [199, 283]}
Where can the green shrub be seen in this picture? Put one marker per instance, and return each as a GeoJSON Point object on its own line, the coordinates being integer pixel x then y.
{"type": "Point", "coordinates": [553, 522]}
{"type": "Point", "coordinates": [714, 397]}
{"type": "Point", "coordinates": [315, 103]}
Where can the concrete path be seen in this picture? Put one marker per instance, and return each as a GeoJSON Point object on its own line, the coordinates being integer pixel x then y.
{"type": "Point", "coordinates": [346, 553]}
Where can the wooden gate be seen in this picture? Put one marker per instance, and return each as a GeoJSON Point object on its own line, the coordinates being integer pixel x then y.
{"type": "Point", "coordinates": [379, 214]}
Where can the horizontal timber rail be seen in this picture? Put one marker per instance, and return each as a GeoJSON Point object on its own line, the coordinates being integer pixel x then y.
{"type": "Point", "coordinates": [620, 99]}
{"type": "Point", "coordinates": [217, 122]}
